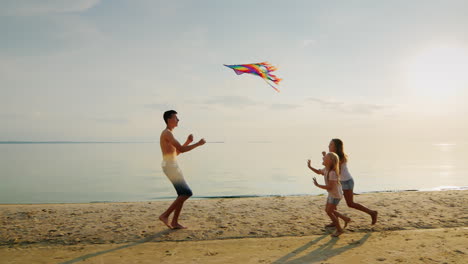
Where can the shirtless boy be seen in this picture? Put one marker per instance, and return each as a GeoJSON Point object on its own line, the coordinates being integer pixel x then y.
{"type": "Point", "coordinates": [170, 148]}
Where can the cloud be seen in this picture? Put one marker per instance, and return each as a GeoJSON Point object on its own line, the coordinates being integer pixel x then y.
{"type": "Point", "coordinates": [325, 103]}
{"type": "Point", "coordinates": [366, 108]}
{"type": "Point", "coordinates": [308, 42]}
{"type": "Point", "coordinates": [160, 106]}
{"type": "Point", "coordinates": [42, 7]}
{"type": "Point", "coordinates": [280, 106]}
{"type": "Point", "coordinates": [351, 108]}
{"type": "Point", "coordinates": [232, 101]}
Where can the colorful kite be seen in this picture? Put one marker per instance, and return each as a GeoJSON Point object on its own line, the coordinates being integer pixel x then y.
{"type": "Point", "coordinates": [262, 69]}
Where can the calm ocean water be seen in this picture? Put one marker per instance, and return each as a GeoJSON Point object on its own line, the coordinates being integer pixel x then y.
{"type": "Point", "coordinates": [102, 172]}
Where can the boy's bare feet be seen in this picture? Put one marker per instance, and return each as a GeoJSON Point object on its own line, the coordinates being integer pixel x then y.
{"type": "Point", "coordinates": [178, 226]}
{"type": "Point", "coordinates": [346, 221]}
{"type": "Point", "coordinates": [374, 217]}
{"type": "Point", "coordinates": [330, 225]}
{"type": "Point", "coordinates": [337, 233]}
{"type": "Point", "coordinates": [165, 220]}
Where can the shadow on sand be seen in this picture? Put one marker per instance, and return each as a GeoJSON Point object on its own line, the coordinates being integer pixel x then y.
{"type": "Point", "coordinates": [144, 240]}
{"type": "Point", "coordinates": [321, 253]}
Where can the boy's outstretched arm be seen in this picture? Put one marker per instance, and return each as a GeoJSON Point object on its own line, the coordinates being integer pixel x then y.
{"type": "Point", "coordinates": [187, 142]}
{"type": "Point", "coordinates": [180, 148]}
{"type": "Point", "coordinates": [313, 169]}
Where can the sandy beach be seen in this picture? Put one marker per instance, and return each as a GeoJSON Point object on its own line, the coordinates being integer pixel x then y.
{"type": "Point", "coordinates": [413, 227]}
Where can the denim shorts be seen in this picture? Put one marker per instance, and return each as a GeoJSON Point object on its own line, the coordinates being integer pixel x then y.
{"type": "Point", "coordinates": [332, 200]}
{"type": "Point", "coordinates": [347, 185]}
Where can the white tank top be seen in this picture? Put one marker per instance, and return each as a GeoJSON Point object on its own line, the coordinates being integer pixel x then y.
{"type": "Point", "coordinates": [345, 175]}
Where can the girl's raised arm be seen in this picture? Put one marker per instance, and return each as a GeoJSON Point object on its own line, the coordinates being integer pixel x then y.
{"type": "Point", "coordinates": [313, 169]}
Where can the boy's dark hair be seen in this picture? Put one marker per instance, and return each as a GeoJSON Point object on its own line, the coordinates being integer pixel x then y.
{"type": "Point", "coordinates": [168, 114]}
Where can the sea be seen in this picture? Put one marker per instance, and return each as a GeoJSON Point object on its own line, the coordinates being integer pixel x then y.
{"type": "Point", "coordinates": [93, 172]}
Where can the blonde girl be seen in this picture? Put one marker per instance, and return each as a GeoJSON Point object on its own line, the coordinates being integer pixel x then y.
{"type": "Point", "coordinates": [331, 174]}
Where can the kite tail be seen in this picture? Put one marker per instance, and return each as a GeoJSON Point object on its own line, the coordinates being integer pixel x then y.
{"type": "Point", "coordinates": [274, 79]}
{"type": "Point", "coordinates": [276, 89]}
{"type": "Point", "coordinates": [268, 66]}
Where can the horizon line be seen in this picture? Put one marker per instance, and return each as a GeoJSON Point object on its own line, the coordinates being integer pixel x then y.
{"type": "Point", "coordinates": [79, 142]}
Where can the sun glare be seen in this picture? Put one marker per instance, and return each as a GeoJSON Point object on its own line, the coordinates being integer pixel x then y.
{"type": "Point", "coordinates": [439, 71]}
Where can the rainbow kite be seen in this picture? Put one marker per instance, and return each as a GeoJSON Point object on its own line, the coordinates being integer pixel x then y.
{"type": "Point", "coordinates": [262, 69]}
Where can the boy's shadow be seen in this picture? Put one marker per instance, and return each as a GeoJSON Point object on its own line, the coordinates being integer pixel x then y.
{"type": "Point", "coordinates": [321, 253]}
{"type": "Point", "coordinates": [144, 240]}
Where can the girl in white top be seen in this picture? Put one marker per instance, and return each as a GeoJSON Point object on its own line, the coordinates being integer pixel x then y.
{"type": "Point", "coordinates": [331, 173]}
{"type": "Point", "coordinates": [347, 182]}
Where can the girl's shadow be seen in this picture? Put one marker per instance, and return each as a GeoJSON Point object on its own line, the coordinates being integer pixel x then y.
{"type": "Point", "coordinates": [321, 253]}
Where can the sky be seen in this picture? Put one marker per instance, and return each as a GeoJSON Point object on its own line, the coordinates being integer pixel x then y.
{"type": "Point", "coordinates": [102, 70]}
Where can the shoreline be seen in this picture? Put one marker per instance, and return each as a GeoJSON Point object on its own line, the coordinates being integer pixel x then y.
{"type": "Point", "coordinates": [171, 198]}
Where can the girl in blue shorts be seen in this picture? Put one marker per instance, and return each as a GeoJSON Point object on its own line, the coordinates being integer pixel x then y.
{"type": "Point", "coordinates": [331, 174]}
